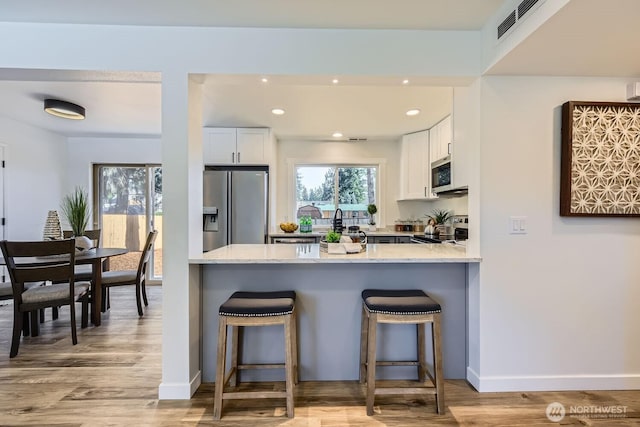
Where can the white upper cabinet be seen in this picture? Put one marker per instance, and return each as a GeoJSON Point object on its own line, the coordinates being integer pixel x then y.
{"type": "Point", "coordinates": [440, 139]}
{"type": "Point", "coordinates": [415, 166]}
{"type": "Point", "coordinates": [236, 146]}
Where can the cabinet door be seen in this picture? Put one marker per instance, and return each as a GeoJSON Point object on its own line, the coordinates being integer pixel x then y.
{"type": "Point", "coordinates": [440, 139]}
{"type": "Point", "coordinates": [434, 143]}
{"type": "Point", "coordinates": [415, 156]}
{"type": "Point", "coordinates": [219, 146]}
{"type": "Point", "coordinates": [445, 137]}
{"type": "Point", "coordinates": [251, 146]}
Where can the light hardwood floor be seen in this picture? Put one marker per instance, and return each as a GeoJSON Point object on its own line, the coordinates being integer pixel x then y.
{"type": "Point", "coordinates": [111, 378]}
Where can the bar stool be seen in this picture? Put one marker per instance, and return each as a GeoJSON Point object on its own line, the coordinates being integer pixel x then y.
{"type": "Point", "coordinates": [406, 307]}
{"type": "Point", "coordinates": [255, 309]}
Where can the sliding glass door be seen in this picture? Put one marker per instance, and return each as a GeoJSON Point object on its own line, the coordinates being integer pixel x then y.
{"type": "Point", "coordinates": [128, 204]}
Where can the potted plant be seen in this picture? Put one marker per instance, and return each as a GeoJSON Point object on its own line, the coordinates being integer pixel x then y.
{"type": "Point", "coordinates": [372, 209]}
{"type": "Point", "coordinates": [440, 217]}
{"type": "Point", "coordinates": [75, 208]}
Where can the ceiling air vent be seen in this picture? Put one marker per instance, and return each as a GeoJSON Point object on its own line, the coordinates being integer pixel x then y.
{"type": "Point", "coordinates": [357, 139]}
{"type": "Point", "coordinates": [525, 7]}
{"type": "Point", "coordinates": [506, 24]}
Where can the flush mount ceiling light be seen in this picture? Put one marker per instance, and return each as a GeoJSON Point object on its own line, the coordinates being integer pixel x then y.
{"type": "Point", "coordinates": [278, 111]}
{"type": "Point", "coordinates": [64, 109]}
{"type": "Point", "coordinates": [413, 112]}
{"type": "Point", "coordinates": [337, 135]}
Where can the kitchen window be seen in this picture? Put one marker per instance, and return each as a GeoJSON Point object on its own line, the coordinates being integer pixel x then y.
{"type": "Point", "coordinates": [320, 189]}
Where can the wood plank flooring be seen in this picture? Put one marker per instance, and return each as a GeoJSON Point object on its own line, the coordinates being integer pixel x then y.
{"type": "Point", "coordinates": [111, 378]}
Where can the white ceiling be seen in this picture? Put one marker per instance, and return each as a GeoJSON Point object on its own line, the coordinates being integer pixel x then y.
{"type": "Point", "coordinates": [587, 37]}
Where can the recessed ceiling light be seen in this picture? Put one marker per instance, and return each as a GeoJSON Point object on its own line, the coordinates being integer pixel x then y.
{"type": "Point", "coordinates": [278, 111]}
{"type": "Point", "coordinates": [337, 135]}
{"type": "Point", "coordinates": [64, 109]}
{"type": "Point", "coordinates": [264, 80]}
{"type": "Point", "coordinates": [413, 112]}
{"type": "Point", "coordinates": [335, 81]}
{"type": "Point", "coordinates": [405, 82]}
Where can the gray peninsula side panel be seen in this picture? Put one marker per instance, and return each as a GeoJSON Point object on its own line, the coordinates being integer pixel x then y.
{"type": "Point", "coordinates": [329, 313]}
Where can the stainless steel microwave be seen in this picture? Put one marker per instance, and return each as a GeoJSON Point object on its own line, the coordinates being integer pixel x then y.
{"type": "Point", "coordinates": [441, 175]}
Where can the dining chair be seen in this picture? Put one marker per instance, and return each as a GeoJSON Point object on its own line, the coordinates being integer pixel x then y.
{"type": "Point", "coordinates": [131, 277]}
{"type": "Point", "coordinates": [43, 261]}
{"type": "Point", "coordinates": [84, 272]}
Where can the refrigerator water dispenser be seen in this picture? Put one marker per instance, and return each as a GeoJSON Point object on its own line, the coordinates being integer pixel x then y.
{"type": "Point", "coordinates": [210, 218]}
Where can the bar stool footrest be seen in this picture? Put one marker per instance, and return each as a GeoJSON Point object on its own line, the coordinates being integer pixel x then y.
{"type": "Point", "coordinates": [397, 363]}
{"type": "Point", "coordinates": [254, 394]}
{"type": "Point", "coordinates": [404, 390]}
{"type": "Point", "coordinates": [262, 366]}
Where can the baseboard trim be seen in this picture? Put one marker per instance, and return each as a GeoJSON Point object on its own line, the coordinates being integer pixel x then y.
{"type": "Point", "coordinates": [473, 378]}
{"type": "Point", "coordinates": [180, 391]}
{"type": "Point", "coordinates": [553, 382]}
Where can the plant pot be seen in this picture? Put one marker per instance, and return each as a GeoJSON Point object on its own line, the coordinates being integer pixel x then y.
{"type": "Point", "coordinates": [372, 227]}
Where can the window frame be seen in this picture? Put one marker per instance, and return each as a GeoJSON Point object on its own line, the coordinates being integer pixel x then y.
{"type": "Point", "coordinates": [379, 163]}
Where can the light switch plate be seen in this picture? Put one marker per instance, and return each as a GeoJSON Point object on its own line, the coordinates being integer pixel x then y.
{"type": "Point", "coordinates": [518, 225]}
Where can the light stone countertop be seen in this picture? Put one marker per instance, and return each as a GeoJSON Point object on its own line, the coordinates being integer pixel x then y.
{"type": "Point", "coordinates": [322, 233]}
{"type": "Point", "coordinates": [310, 253]}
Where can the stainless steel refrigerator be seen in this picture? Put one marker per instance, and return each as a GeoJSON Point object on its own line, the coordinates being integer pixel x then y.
{"type": "Point", "coordinates": [235, 205]}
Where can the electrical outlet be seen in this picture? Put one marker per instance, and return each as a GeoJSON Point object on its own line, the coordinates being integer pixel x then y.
{"type": "Point", "coordinates": [518, 225]}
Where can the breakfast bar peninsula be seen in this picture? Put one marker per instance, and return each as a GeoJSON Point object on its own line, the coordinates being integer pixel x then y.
{"type": "Point", "coordinates": [328, 301]}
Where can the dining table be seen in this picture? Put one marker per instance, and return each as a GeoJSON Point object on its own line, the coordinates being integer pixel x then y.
{"type": "Point", "coordinates": [95, 257]}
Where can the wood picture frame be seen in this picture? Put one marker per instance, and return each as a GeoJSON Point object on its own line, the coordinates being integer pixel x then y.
{"type": "Point", "coordinates": [600, 159]}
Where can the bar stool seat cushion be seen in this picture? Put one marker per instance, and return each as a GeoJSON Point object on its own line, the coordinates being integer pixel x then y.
{"type": "Point", "coordinates": [410, 301]}
{"type": "Point", "coordinates": [259, 304]}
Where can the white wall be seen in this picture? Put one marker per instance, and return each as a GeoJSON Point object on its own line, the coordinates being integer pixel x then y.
{"type": "Point", "coordinates": [559, 305]}
{"type": "Point", "coordinates": [36, 162]}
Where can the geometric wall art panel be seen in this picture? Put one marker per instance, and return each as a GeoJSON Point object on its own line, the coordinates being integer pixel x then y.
{"type": "Point", "coordinates": [600, 164]}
